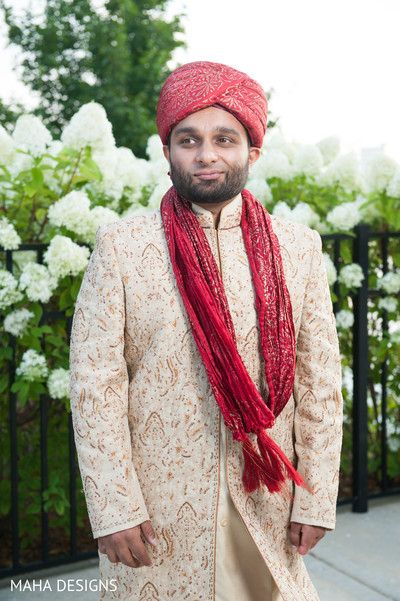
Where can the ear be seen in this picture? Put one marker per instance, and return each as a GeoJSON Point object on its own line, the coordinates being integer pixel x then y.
{"type": "Point", "coordinates": [254, 155]}
{"type": "Point", "coordinates": [166, 153]}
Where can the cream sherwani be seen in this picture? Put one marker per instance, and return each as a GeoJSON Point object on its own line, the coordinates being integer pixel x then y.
{"type": "Point", "coordinates": [148, 430]}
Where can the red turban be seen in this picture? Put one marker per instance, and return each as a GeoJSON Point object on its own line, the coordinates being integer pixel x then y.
{"type": "Point", "coordinates": [198, 85]}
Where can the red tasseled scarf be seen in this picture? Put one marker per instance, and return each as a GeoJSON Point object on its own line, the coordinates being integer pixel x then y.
{"type": "Point", "coordinates": [202, 292]}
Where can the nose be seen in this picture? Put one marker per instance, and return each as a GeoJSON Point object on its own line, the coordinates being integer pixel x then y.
{"type": "Point", "coordinates": [206, 153]}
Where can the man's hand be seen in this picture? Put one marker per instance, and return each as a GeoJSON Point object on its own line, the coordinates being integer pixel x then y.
{"type": "Point", "coordinates": [303, 537]}
{"type": "Point", "coordinates": [127, 546]}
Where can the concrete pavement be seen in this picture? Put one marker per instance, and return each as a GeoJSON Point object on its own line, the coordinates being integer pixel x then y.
{"type": "Point", "coordinates": [359, 561]}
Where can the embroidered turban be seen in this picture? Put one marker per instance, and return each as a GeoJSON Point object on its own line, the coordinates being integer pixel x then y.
{"type": "Point", "coordinates": [198, 85]}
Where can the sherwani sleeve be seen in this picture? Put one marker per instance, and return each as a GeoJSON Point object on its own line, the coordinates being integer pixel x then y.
{"type": "Point", "coordinates": [99, 395]}
{"type": "Point", "coordinates": [318, 400]}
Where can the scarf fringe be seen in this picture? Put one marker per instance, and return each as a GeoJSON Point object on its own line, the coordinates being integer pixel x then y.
{"type": "Point", "coordinates": [270, 467]}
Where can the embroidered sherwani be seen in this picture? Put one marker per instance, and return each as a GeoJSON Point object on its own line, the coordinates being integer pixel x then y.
{"type": "Point", "coordinates": [148, 430]}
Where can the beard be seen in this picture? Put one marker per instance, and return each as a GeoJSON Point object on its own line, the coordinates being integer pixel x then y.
{"type": "Point", "coordinates": [210, 191]}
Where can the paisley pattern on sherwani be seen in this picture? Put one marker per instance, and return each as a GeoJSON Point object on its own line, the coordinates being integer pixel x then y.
{"type": "Point", "coordinates": [146, 422]}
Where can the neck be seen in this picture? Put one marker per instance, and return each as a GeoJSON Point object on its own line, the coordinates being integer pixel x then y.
{"type": "Point", "coordinates": [215, 208]}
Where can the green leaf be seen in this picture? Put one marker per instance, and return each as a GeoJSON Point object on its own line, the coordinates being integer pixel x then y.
{"type": "Point", "coordinates": [47, 329]}
{"type": "Point", "coordinates": [4, 382]}
{"type": "Point", "coordinates": [6, 353]}
{"type": "Point", "coordinates": [36, 182]}
{"type": "Point", "coordinates": [23, 393]}
{"type": "Point", "coordinates": [37, 310]}
{"type": "Point", "coordinates": [36, 332]}
{"type": "Point", "coordinates": [65, 299]}
{"type": "Point", "coordinates": [76, 286]}
{"type": "Point", "coordinates": [55, 340]}
{"type": "Point", "coordinates": [41, 214]}
{"type": "Point", "coordinates": [16, 386]}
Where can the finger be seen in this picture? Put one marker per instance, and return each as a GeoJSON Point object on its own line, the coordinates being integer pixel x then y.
{"type": "Point", "coordinates": [149, 533]}
{"type": "Point", "coordinates": [310, 535]}
{"type": "Point", "coordinates": [295, 536]}
{"type": "Point", "coordinates": [129, 559]}
{"type": "Point", "coordinates": [318, 537]}
{"type": "Point", "coordinates": [112, 556]}
{"type": "Point", "coordinates": [102, 549]}
{"type": "Point", "coordinates": [139, 551]}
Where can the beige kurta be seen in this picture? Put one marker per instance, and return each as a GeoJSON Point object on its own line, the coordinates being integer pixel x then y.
{"type": "Point", "coordinates": [240, 571]}
{"type": "Point", "coordinates": [147, 426]}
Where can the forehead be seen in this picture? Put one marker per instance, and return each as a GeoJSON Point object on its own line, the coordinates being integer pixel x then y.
{"type": "Point", "coordinates": [210, 119]}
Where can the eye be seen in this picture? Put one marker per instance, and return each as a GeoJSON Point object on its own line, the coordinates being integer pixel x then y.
{"type": "Point", "coordinates": [187, 141]}
{"type": "Point", "coordinates": [224, 140]}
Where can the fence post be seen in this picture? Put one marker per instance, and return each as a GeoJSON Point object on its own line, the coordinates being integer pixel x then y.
{"type": "Point", "coordinates": [360, 375]}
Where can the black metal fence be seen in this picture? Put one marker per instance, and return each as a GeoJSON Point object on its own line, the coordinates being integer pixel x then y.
{"type": "Point", "coordinates": [47, 559]}
{"type": "Point", "coordinates": [361, 365]}
{"type": "Point", "coordinates": [360, 494]}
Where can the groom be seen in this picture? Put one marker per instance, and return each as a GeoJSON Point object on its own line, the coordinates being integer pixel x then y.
{"type": "Point", "coordinates": [205, 373]}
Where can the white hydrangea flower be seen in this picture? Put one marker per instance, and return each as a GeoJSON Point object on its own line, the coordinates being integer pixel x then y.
{"type": "Point", "coordinates": [53, 150]}
{"type": "Point", "coordinates": [395, 337]}
{"type": "Point", "coordinates": [33, 366]}
{"type": "Point", "coordinates": [330, 269]}
{"type": "Point", "coordinates": [9, 293]}
{"type": "Point", "coordinates": [351, 275]}
{"type": "Point", "coordinates": [390, 283]}
{"type": "Point", "coordinates": [64, 257]}
{"type": "Point", "coordinates": [393, 443]}
{"type": "Point", "coordinates": [7, 147]}
{"type": "Point", "coordinates": [308, 160]}
{"type": "Point", "coordinates": [20, 162]}
{"type": "Point", "coordinates": [157, 171]}
{"type": "Point", "coordinates": [111, 184]}
{"type": "Point", "coordinates": [23, 257]}
{"type": "Point", "coordinates": [303, 213]}
{"type": "Point", "coordinates": [37, 282]}
{"type": "Point", "coordinates": [279, 142]}
{"type": "Point", "coordinates": [161, 188]}
{"type": "Point", "coordinates": [99, 216]}
{"type": "Point", "coordinates": [31, 135]}
{"type": "Point", "coordinates": [379, 171]}
{"type": "Point", "coordinates": [16, 322]}
{"type": "Point", "coordinates": [71, 210]}
{"type": "Point", "coordinates": [345, 216]}
{"type": "Point", "coordinates": [132, 172]}
{"type": "Point", "coordinates": [344, 319]}
{"type": "Point", "coordinates": [282, 210]}
{"type": "Point", "coordinates": [9, 238]}
{"type": "Point", "coordinates": [58, 383]}
{"type": "Point", "coordinates": [272, 164]}
{"type": "Point", "coordinates": [330, 148]}
{"type": "Point", "coordinates": [89, 127]}
{"type": "Point", "coordinates": [389, 304]}
{"type": "Point", "coordinates": [154, 148]}
{"type": "Point", "coordinates": [135, 209]}
{"type": "Point", "coordinates": [260, 189]}
{"type": "Point", "coordinates": [393, 188]}
{"type": "Point", "coordinates": [345, 170]}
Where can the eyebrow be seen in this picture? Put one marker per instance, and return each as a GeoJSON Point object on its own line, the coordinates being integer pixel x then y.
{"type": "Point", "coordinates": [218, 129]}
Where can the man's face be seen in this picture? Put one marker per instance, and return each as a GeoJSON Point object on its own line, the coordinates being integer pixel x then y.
{"type": "Point", "coordinates": [209, 156]}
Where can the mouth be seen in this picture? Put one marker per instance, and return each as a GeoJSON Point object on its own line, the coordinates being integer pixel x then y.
{"type": "Point", "coordinates": [208, 175]}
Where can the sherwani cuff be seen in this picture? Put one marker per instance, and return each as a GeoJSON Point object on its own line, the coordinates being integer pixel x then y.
{"type": "Point", "coordinates": [310, 521]}
{"type": "Point", "coordinates": [141, 517]}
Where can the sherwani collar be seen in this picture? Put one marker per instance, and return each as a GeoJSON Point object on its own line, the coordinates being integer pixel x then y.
{"type": "Point", "coordinates": [230, 217]}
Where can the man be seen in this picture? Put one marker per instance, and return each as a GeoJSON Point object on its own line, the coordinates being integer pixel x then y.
{"type": "Point", "coordinates": [204, 366]}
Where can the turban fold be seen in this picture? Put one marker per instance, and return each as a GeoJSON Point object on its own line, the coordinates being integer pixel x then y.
{"type": "Point", "coordinates": [199, 85]}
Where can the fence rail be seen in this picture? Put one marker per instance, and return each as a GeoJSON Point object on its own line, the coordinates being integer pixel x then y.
{"type": "Point", "coordinates": [360, 495]}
